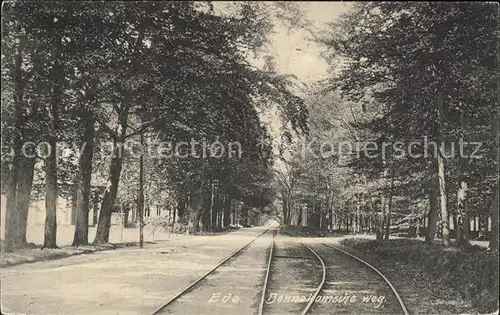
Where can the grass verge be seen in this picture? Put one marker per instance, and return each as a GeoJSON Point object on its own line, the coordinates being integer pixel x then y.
{"type": "Point", "coordinates": [33, 253]}
{"type": "Point", "coordinates": [450, 278]}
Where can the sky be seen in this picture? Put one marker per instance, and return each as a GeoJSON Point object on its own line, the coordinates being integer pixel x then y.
{"type": "Point", "coordinates": [295, 52]}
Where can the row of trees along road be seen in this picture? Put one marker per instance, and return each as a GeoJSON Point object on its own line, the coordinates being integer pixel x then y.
{"type": "Point", "coordinates": [98, 73]}
{"type": "Point", "coordinates": [404, 72]}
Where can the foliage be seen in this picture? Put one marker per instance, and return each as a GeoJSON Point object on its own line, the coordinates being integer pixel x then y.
{"type": "Point", "coordinates": [472, 273]}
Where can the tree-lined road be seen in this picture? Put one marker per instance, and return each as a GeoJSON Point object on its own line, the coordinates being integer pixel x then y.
{"type": "Point", "coordinates": [140, 281]}
{"type": "Point", "coordinates": [123, 281]}
{"type": "Point", "coordinates": [181, 117]}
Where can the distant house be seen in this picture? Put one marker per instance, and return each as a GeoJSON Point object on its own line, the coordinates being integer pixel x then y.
{"type": "Point", "coordinates": [36, 214]}
{"type": "Point", "coordinates": [65, 217]}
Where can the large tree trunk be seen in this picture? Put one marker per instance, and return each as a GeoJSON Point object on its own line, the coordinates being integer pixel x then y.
{"type": "Point", "coordinates": [462, 223]}
{"type": "Point", "coordinates": [140, 198]}
{"type": "Point", "coordinates": [81, 236]}
{"type": "Point", "coordinates": [51, 197]}
{"type": "Point", "coordinates": [483, 227]}
{"type": "Point", "coordinates": [233, 218]}
{"type": "Point", "coordinates": [95, 212]}
{"type": "Point", "coordinates": [443, 202]}
{"type": "Point", "coordinates": [126, 214]}
{"type": "Point", "coordinates": [220, 207]}
{"type": "Point", "coordinates": [24, 186]}
{"type": "Point", "coordinates": [51, 192]}
{"type": "Point", "coordinates": [244, 215]}
{"type": "Point", "coordinates": [108, 202]}
{"type": "Point", "coordinates": [196, 214]}
{"type": "Point", "coordinates": [11, 215]}
{"type": "Point", "coordinates": [285, 208]}
{"type": "Point", "coordinates": [174, 215]}
{"type": "Point", "coordinates": [180, 214]}
{"type": "Point", "coordinates": [441, 171]}
{"type": "Point", "coordinates": [74, 197]}
{"type": "Point", "coordinates": [227, 211]}
{"type": "Point", "coordinates": [373, 211]}
{"type": "Point", "coordinates": [386, 200]}
{"type": "Point", "coordinates": [433, 213]}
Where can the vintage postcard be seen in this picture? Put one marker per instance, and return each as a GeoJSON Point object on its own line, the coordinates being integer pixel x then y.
{"type": "Point", "coordinates": [249, 157]}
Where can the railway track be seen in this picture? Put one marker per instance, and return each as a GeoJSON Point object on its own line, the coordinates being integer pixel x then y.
{"type": "Point", "coordinates": [344, 284]}
{"type": "Point", "coordinates": [266, 277]}
{"type": "Point", "coordinates": [354, 288]}
{"type": "Point", "coordinates": [164, 308]}
{"type": "Point", "coordinates": [332, 285]}
{"type": "Point", "coordinates": [294, 270]}
{"type": "Point", "coordinates": [317, 271]}
{"type": "Point", "coordinates": [321, 284]}
{"type": "Point", "coordinates": [393, 289]}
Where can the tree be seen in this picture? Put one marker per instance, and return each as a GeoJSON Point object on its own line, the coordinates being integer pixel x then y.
{"type": "Point", "coordinates": [406, 58]}
{"type": "Point", "coordinates": [109, 74]}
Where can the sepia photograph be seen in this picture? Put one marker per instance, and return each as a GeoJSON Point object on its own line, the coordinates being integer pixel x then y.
{"type": "Point", "coordinates": [249, 157]}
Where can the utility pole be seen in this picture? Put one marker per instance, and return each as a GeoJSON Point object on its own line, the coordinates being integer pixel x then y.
{"type": "Point", "coordinates": [122, 217]}
{"type": "Point", "coordinates": [141, 195]}
{"type": "Point", "coordinates": [211, 207]}
{"type": "Point", "coordinates": [214, 189]}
